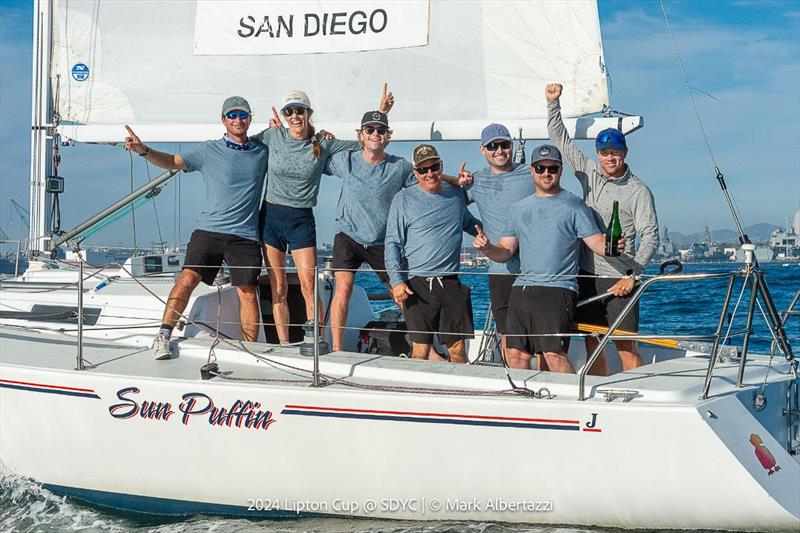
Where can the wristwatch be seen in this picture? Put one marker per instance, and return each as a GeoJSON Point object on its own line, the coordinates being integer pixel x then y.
{"type": "Point", "coordinates": [146, 151]}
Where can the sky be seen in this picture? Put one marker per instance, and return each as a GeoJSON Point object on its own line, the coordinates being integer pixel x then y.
{"type": "Point", "coordinates": [742, 59]}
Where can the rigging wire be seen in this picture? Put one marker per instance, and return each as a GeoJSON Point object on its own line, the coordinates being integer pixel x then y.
{"type": "Point", "coordinates": [133, 207]}
{"type": "Point", "coordinates": [155, 210]}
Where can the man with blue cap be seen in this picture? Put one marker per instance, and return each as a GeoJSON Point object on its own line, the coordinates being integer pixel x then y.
{"type": "Point", "coordinates": [493, 189]}
{"type": "Point", "coordinates": [604, 182]}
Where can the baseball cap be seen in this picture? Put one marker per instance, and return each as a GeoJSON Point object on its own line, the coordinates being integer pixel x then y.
{"type": "Point", "coordinates": [610, 138]}
{"type": "Point", "coordinates": [494, 132]}
{"type": "Point", "coordinates": [234, 103]}
{"type": "Point", "coordinates": [296, 99]}
{"type": "Point", "coordinates": [424, 152]}
{"type": "Point", "coordinates": [374, 117]}
{"type": "Point", "coordinates": [545, 152]}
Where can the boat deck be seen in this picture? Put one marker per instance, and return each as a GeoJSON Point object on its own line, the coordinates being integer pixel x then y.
{"type": "Point", "coordinates": [678, 380]}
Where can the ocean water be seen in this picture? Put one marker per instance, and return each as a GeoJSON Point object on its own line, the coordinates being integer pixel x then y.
{"type": "Point", "coordinates": [688, 308]}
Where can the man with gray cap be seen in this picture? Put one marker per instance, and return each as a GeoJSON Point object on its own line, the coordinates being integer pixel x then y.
{"type": "Point", "coordinates": [494, 188]}
{"type": "Point", "coordinates": [370, 179]}
{"type": "Point", "coordinates": [423, 245]}
{"type": "Point", "coordinates": [547, 228]}
{"type": "Point", "coordinates": [603, 183]}
{"type": "Point", "coordinates": [233, 168]}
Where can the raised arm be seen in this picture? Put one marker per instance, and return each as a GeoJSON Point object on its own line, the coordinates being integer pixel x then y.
{"type": "Point", "coordinates": [501, 252]}
{"type": "Point", "coordinates": [156, 157]}
{"type": "Point", "coordinates": [464, 177]}
{"type": "Point", "coordinates": [577, 161]}
{"type": "Point", "coordinates": [387, 100]}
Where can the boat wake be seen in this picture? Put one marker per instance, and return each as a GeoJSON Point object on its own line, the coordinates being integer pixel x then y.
{"type": "Point", "coordinates": [25, 506]}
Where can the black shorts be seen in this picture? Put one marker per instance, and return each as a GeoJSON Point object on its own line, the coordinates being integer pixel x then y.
{"type": "Point", "coordinates": [439, 304]}
{"type": "Point", "coordinates": [540, 310]}
{"type": "Point", "coordinates": [499, 297]}
{"type": "Point", "coordinates": [207, 250]}
{"type": "Point", "coordinates": [288, 228]}
{"type": "Point", "coordinates": [350, 255]}
{"type": "Point", "coordinates": [604, 312]}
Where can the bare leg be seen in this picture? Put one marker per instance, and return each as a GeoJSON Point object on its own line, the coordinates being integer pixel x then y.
{"type": "Point", "coordinates": [339, 306]}
{"type": "Point", "coordinates": [628, 354]}
{"type": "Point", "coordinates": [559, 362]}
{"type": "Point", "coordinates": [179, 296]}
{"type": "Point", "coordinates": [278, 288]}
{"type": "Point", "coordinates": [600, 367]}
{"type": "Point", "coordinates": [516, 358]}
{"type": "Point", "coordinates": [420, 350]}
{"type": "Point", "coordinates": [249, 313]}
{"type": "Point", "coordinates": [457, 351]}
{"type": "Point", "coordinates": [305, 259]}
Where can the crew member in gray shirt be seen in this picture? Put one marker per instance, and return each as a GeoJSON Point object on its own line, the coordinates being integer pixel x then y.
{"type": "Point", "coordinates": [423, 244]}
{"type": "Point", "coordinates": [233, 168]}
{"type": "Point", "coordinates": [493, 189]}
{"type": "Point", "coordinates": [547, 228]}
{"type": "Point", "coordinates": [602, 183]}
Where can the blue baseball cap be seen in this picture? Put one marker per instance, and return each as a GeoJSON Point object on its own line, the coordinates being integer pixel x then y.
{"type": "Point", "coordinates": [494, 132]}
{"type": "Point", "coordinates": [610, 138]}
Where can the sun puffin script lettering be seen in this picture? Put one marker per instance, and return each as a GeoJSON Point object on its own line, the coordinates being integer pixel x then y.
{"type": "Point", "coordinates": [241, 414]}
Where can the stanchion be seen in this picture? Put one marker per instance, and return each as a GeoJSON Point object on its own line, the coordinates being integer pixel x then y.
{"type": "Point", "coordinates": [80, 317]}
{"type": "Point", "coordinates": [316, 327]}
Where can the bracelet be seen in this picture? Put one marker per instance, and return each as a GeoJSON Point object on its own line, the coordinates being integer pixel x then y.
{"type": "Point", "coordinates": [146, 151]}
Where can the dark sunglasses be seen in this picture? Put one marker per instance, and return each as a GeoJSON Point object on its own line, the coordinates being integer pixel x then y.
{"type": "Point", "coordinates": [433, 168]}
{"type": "Point", "coordinates": [493, 146]}
{"type": "Point", "coordinates": [289, 111]}
{"type": "Point", "coordinates": [233, 115]}
{"type": "Point", "coordinates": [553, 169]}
{"type": "Point", "coordinates": [369, 130]}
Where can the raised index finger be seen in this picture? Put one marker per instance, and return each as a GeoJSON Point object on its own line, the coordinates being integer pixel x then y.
{"type": "Point", "coordinates": [275, 113]}
{"type": "Point", "coordinates": [463, 165]}
{"type": "Point", "coordinates": [479, 229]}
{"type": "Point", "coordinates": [130, 131]}
{"type": "Point", "coordinates": [385, 88]}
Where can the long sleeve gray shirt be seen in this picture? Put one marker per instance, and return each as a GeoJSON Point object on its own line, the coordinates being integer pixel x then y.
{"type": "Point", "coordinates": [637, 210]}
{"type": "Point", "coordinates": [424, 232]}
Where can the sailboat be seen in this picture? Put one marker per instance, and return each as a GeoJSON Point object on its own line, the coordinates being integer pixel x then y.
{"type": "Point", "coordinates": [703, 436]}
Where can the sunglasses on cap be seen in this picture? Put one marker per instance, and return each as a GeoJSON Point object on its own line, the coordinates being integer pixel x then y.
{"type": "Point", "coordinates": [233, 115]}
{"type": "Point", "coordinates": [494, 145]}
{"type": "Point", "coordinates": [433, 168]}
{"type": "Point", "coordinates": [613, 136]}
{"type": "Point", "coordinates": [289, 111]}
{"type": "Point", "coordinates": [552, 169]}
{"type": "Point", "coordinates": [369, 130]}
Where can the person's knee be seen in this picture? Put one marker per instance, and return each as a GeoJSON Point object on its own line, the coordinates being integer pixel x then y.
{"type": "Point", "coordinates": [188, 280]}
{"type": "Point", "coordinates": [247, 293]}
{"type": "Point", "coordinates": [279, 292]}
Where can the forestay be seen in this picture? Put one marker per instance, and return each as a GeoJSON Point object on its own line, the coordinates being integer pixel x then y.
{"type": "Point", "coordinates": [165, 67]}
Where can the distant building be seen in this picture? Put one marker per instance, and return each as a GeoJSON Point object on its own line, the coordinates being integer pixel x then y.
{"type": "Point", "coordinates": [785, 243]}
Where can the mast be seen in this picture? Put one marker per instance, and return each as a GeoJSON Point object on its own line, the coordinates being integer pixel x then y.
{"type": "Point", "coordinates": [41, 138]}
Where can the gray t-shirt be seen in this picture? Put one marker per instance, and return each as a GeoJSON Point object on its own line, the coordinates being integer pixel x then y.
{"type": "Point", "coordinates": [424, 232]}
{"type": "Point", "coordinates": [550, 229]}
{"type": "Point", "coordinates": [294, 173]}
{"type": "Point", "coordinates": [234, 182]}
{"type": "Point", "coordinates": [493, 194]}
{"type": "Point", "coordinates": [367, 192]}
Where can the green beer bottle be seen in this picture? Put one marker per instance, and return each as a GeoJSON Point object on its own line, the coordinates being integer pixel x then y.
{"type": "Point", "coordinates": [613, 232]}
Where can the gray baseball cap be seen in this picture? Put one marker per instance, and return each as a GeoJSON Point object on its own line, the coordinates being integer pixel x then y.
{"type": "Point", "coordinates": [545, 152]}
{"type": "Point", "coordinates": [234, 103]}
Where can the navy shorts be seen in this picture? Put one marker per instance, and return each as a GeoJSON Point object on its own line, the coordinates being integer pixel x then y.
{"type": "Point", "coordinates": [539, 311]}
{"type": "Point", "coordinates": [288, 228]}
{"type": "Point", "coordinates": [350, 255]}
{"type": "Point", "coordinates": [499, 299]}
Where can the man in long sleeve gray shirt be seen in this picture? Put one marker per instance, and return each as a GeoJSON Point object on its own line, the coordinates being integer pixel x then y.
{"type": "Point", "coordinates": [423, 244]}
{"type": "Point", "coordinates": [604, 182]}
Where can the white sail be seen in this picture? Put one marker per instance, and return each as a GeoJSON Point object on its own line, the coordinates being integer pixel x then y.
{"type": "Point", "coordinates": [166, 66]}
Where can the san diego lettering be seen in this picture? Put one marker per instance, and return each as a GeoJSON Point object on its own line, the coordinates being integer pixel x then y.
{"type": "Point", "coordinates": [242, 414]}
{"type": "Point", "coordinates": [339, 23]}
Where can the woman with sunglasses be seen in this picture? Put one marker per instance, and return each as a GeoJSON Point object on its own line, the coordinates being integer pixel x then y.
{"type": "Point", "coordinates": [297, 159]}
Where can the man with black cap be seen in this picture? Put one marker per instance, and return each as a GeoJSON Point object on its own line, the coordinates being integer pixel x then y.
{"type": "Point", "coordinates": [233, 168]}
{"type": "Point", "coordinates": [547, 228]}
{"type": "Point", "coordinates": [423, 245]}
{"type": "Point", "coordinates": [370, 179]}
{"type": "Point", "coordinates": [603, 182]}
{"type": "Point", "coordinates": [494, 188]}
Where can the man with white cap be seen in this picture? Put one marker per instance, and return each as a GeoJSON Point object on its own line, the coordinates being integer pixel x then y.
{"type": "Point", "coordinates": [494, 188]}
{"type": "Point", "coordinates": [547, 228]}
{"type": "Point", "coordinates": [604, 182]}
{"type": "Point", "coordinates": [233, 168]}
{"type": "Point", "coordinates": [423, 245]}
